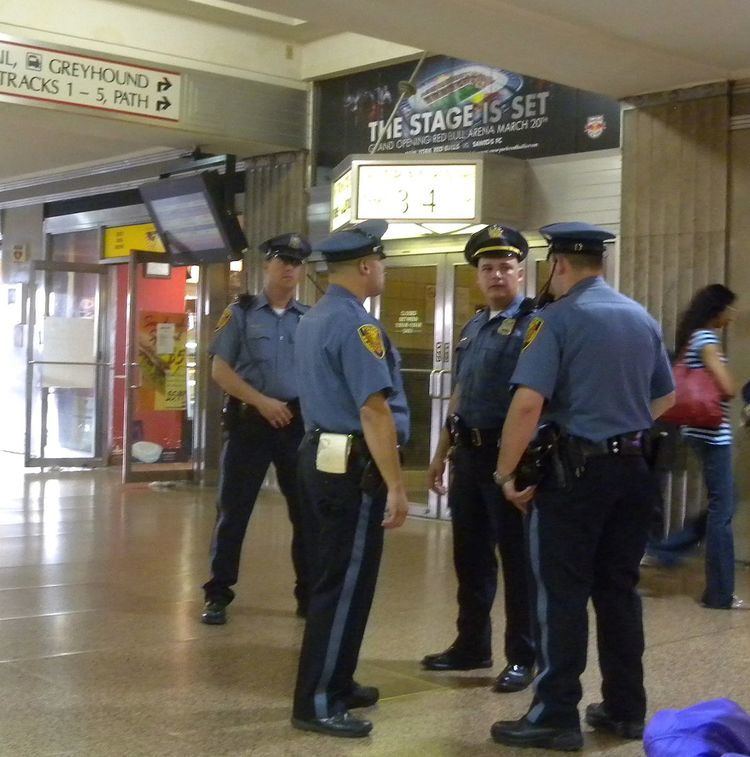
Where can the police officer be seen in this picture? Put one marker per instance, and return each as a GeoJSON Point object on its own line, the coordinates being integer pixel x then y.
{"type": "Point", "coordinates": [483, 520]}
{"type": "Point", "coordinates": [253, 362]}
{"type": "Point", "coordinates": [355, 415]}
{"type": "Point", "coordinates": [594, 361]}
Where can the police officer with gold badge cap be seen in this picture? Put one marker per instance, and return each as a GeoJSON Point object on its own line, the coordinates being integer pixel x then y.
{"type": "Point", "coordinates": [355, 415]}
{"type": "Point", "coordinates": [253, 362]}
{"type": "Point", "coordinates": [484, 522]}
{"type": "Point", "coordinates": [594, 363]}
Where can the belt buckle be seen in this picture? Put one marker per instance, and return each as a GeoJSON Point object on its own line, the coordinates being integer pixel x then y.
{"type": "Point", "coordinates": [476, 437]}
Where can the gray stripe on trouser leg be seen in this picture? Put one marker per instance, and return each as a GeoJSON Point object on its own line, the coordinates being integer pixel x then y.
{"type": "Point", "coordinates": [541, 610]}
{"type": "Point", "coordinates": [342, 608]}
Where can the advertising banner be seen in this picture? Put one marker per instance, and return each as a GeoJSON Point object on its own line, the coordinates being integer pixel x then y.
{"type": "Point", "coordinates": [162, 360]}
{"type": "Point", "coordinates": [461, 106]}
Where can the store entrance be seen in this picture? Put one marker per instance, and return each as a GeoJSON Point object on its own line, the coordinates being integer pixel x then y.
{"type": "Point", "coordinates": [155, 356]}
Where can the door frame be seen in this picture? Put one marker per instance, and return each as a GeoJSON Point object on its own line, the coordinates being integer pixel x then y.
{"type": "Point", "coordinates": [101, 364]}
{"type": "Point", "coordinates": [133, 378]}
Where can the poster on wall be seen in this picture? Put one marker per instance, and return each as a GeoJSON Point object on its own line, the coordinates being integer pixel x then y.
{"type": "Point", "coordinates": [162, 359]}
{"type": "Point", "coordinates": [461, 106]}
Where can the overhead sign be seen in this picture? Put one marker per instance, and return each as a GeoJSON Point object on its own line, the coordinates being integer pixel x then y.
{"type": "Point", "coordinates": [403, 192]}
{"type": "Point", "coordinates": [119, 241]}
{"type": "Point", "coordinates": [460, 106]}
{"type": "Point", "coordinates": [45, 75]}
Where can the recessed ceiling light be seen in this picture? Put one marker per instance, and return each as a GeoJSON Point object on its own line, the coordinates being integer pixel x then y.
{"type": "Point", "coordinates": [245, 10]}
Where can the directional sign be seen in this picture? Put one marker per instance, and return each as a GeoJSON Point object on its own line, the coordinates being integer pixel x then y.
{"type": "Point", "coordinates": [45, 75]}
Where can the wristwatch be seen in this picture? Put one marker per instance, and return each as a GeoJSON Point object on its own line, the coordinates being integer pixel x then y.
{"type": "Point", "coordinates": [502, 478]}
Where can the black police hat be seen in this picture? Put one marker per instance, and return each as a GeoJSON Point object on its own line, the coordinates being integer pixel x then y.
{"type": "Point", "coordinates": [293, 247]}
{"type": "Point", "coordinates": [496, 241]}
{"type": "Point", "coordinates": [363, 239]}
{"type": "Point", "coordinates": [576, 237]}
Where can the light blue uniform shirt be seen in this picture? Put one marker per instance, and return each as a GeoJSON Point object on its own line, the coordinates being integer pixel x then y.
{"type": "Point", "coordinates": [486, 356]}
{"type": "Point", "coordinates": [343, 356]}
{"type": "Point", "coordinates": [258, 345]}
{"type": "Point", "coordinates": [599, 358]}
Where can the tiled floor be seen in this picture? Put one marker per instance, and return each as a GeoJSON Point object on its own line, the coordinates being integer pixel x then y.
{"type": "Point", "coordinates": [101, 651]}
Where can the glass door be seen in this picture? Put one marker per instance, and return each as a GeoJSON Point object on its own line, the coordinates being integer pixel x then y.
{"type": "Point", "coordinates": [412, 314]}
{"type": "Point", "coordinates": [66, 370]}
{"type": "Point", "coordinates": [159, 370]}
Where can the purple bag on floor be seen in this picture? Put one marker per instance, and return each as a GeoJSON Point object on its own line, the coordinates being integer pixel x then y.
{"type": "Point", "coordinates": [719, 728]}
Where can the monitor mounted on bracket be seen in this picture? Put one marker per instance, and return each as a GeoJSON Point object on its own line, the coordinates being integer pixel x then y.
{"type": "Point", "coordinates": [193, 220]}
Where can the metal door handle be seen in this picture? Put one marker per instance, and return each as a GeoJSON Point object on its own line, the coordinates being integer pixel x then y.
{"type": "Point", "coordinates": [136, 373]}
{"type": "Point", "coordinates": [432, 384]}
{"type": "Point", "coordinates": [445, 393]}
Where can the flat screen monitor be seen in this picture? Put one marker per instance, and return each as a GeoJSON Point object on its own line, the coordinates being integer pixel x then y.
{"type": "Point", "coordinates": [189, 215]}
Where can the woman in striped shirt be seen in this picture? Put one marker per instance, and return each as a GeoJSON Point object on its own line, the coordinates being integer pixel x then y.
{"type": "Point", "coordinates": [699, 345]}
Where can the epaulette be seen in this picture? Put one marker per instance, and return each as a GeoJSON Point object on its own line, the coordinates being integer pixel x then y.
{"type": "Point", "coordinates": [527, 306]}
{"type": "Point", "coordinates": [245, 301]}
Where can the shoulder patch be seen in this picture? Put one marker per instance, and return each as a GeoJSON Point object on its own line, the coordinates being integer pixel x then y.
{"type": "Point", "coordinates": [224, 319]}
{"type": "Point", "coordinates": [372, 339]}
{"type": "Point", "coordinates": [532, 332]}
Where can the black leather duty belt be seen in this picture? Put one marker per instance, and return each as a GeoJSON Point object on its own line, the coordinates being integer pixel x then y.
{"type": "Point", "coordinates": [238, 415]}
{"type": "Point", "coordinates": [477, 437]}
{"type": "Point", "coordinates": [623, 444]}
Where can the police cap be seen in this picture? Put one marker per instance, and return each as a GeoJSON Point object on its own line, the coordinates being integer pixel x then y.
{"type": "Point", "coordinates": [496, 241]}
{"type": "Point", "coordinates": [576, 236]}
{"type": "Point", "coordinates": [357, 242]}
{"type": "Point", "coordinates": [291, 247]}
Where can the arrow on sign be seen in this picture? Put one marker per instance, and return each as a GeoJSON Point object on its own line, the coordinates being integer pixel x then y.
{"type": "Point", "coordinates": [162, 104]}
{"type": "Point", "coordinates": [163, 85]}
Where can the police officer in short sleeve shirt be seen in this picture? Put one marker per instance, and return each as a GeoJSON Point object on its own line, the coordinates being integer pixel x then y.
{"type": "Point", "coordinates": [253, 362]}
{"type": "Point", "coordinates": [484, 522]}
{"type": "Point", "coordinates": [594, 362]}
{"type": "Point", "coordinates": [351, 392]}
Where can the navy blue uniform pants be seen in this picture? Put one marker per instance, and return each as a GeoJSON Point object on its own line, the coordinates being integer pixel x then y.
{"type": "Point", "coordinates": [249, 448]}
{"type": "Point", "coordinates": [346, 547]}
{"type": "Point", "coordinates": [485, 523]}
{"type": "Point", "coordinates": [587, 543]}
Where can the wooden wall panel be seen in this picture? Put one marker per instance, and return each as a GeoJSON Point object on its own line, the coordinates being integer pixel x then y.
{"type": "Point", "coordinates": [275, 203]}
{"type": "Point", "coordinates": [674, 224]}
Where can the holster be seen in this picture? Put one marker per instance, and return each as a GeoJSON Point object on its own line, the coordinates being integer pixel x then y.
{"type": "Point", "coordinates": [544, 460]}
{"type": "Point", "coordinates": [660, 447]}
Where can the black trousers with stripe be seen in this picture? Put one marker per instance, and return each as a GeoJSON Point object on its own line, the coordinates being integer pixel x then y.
{"type": "Point", "coordinates": [346, 546]}
{"type": "Point", "coordinates": [485, 524]}
{"type": "Point", "coordinates": [249, 448]}
{"type": "Point", "coordinates": [584, 544]}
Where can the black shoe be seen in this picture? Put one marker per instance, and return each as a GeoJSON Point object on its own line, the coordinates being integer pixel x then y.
{"type": "Point", "coordinates": [344, 725]}
{"type": "Point", "coordinates": [522, 734]}
{"type": "Point", "coordinates": [361, 696]}
{"type": "Point", "coordinates": [598, 717]}
{"type": "Point", "coordinates": [214, 613]}
{"type": "Point", "coordinates": [514, 678]}
{"type": "Point", "coordinates": [455, 659]}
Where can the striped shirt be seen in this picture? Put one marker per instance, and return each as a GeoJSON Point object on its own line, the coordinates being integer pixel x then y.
{"type": "Point", "coordinates": [722, 435]}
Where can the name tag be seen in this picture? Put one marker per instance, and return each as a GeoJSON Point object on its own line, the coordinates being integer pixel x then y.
{"type": "Point", "coordinates": [333, 452]}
